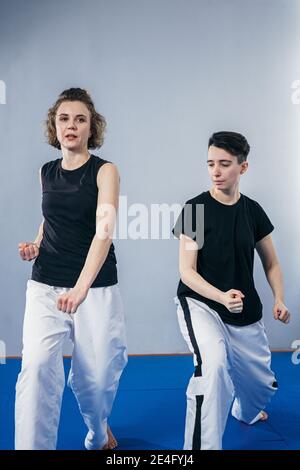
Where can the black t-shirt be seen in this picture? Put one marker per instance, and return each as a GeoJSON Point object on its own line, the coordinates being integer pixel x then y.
{"type": "Point", "coordinates": [226, 257]}
{"type": "Point", "coordinates": [69, 203]}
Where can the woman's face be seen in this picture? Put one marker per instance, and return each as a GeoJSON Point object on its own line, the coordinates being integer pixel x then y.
{"type": "Point", "coordinates": [224, 169]}
{"type": "Point", "coordinates": [73, 125]}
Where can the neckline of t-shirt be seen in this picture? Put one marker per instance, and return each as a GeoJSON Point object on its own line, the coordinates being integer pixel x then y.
{"type": "Point", "coordinates": [75, 169]}
{"type": "Point", "coordinates": [222, 204]}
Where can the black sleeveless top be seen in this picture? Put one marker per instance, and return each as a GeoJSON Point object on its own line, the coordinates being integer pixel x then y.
{"type": "Point", "coordinates": [69, 204]}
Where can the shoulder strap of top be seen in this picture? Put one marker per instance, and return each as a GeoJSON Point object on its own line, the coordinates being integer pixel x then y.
{"type": "Point", "coordinates": [97, 163]}
{"type": "Point", "coordinates": [47, 167]}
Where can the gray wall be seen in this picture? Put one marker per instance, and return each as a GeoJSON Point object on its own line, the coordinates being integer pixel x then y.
{"type": "Point", "coordinates": [166, 74]}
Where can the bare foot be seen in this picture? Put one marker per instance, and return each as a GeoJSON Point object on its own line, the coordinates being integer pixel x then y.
{"type": "Point", "coordinates": [112, 442]}
{"type": "Point", "coordinates": [264, 416]}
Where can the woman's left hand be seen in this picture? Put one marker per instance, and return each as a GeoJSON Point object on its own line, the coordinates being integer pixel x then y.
{"type": "Point", "coordinates": [70, 301]}
{"type": "Point", "coordinates": [281, 312]}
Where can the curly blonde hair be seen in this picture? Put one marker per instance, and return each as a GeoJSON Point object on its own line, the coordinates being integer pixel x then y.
{"type": "Point", "coordinates": [98, 123]}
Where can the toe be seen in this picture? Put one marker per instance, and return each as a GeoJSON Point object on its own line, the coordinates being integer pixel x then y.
{"type": "Point", "coordinates": [264, 416]}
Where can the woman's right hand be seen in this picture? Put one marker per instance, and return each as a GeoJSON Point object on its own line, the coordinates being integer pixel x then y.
{"type": "Point", "coordinates": [232, 300]}
{"type": "Point", "coordinates": [28, 250]}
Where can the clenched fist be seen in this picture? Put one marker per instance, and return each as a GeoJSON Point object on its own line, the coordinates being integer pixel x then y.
{"type": "Point", "coordinates": [28, 250]}
{"type": "Point", "coordinates": [70, 301]}
{"type": "Point", "coordinates": [232, 300]}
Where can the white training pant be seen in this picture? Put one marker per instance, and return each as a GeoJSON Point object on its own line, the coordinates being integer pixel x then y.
{"type": "Point", "coordinates": [99, 357]}
{"type": "Point", "coordinates": [231, 362]}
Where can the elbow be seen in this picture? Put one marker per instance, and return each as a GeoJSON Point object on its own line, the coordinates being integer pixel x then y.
{"type": "Point", "coordinates": [181, 271]}
{"type": "Point", "coordinates": [184, 275]}
{"type": "Point", "coordinates": [269, 268]}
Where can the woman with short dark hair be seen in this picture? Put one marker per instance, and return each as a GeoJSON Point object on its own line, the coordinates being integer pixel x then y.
{"type": "Point", "coordinates": [219, 310]}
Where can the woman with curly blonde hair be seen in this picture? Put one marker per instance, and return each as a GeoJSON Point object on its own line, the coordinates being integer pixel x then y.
{"type": "Point", "coordinates": [73, 291]}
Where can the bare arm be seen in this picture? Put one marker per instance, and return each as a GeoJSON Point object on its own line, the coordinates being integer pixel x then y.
{"type": "Point", "coordinates": [30, 250]}
{"type": "Point", "coordinates": [188, 252]}
{"type": "Point", "coordinates": [108, 199]}
{"type": "Point", "coordinates": [39, 236]}
{"type": "Point", "coordinates": [266, 251]}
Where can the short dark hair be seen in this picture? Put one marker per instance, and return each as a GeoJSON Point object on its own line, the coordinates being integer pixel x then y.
{"type": "Point", "coordinates": [98, 123]}
{"type": "Point", "coordinates": [233, 142]}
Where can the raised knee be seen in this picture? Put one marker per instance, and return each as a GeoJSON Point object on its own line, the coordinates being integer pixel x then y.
{"type": "Point", "coordinates": [215, 360]}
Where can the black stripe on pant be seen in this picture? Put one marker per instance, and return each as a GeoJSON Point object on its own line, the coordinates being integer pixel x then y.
{"type": "Point", "coordinates": [197, 373]}
{"type": "Point", "coordinates": [187, 316]}
{"type": "Point", "coordinates": [197, 429]}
